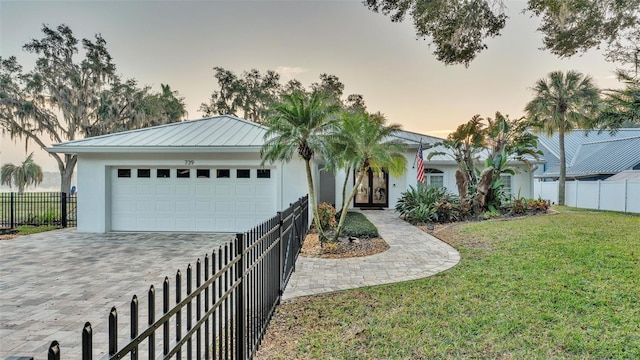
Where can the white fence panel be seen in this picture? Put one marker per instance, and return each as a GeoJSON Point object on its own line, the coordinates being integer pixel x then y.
{"type": "Point", "coordinates": [587, 194]}
{"type": "Point", "coordinates": [546, 190]}
{"type": "Point", "coordinates": [633, 196]}
{"type": "Point", "coordinates": [599, 195]}
{"type": "Point", "coordinates": [570, 193]}
{"type": "Point", "coordinates": [612, 195]}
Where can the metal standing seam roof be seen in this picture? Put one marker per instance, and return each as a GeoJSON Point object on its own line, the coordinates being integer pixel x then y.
{"type": "Point", "coordinates": [223, 131]}
{"type": "Point", "coordinates": [601, 157]}
{"type": "Point", "coordinates": [575, 138]}
{"type": "Point", "coordinates": [218, 132]}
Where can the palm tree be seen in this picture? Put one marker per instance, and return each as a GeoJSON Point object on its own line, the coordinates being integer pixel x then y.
{"type": "Point", "coordinates": [301, 123]}
{"type": "Point", "coordinates": [621, 106]}
{"type": "Point", "coordinates": [563, 102]}
{"type": "Point", "coordinates": [465, 144]}
{"type": "Point", "coordinates": [364, 143]}
{"type": "Point", "coordinates": [29, 173]}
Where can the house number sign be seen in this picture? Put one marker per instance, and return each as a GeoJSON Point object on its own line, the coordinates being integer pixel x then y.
{"type": "Point", "coordinates": [189, 162]}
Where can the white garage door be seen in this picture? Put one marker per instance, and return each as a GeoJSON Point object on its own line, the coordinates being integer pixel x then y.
{"type": "Point", "coordinates": [230, 199]}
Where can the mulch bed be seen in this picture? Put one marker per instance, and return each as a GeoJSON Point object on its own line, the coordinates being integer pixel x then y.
{"type": "Point", "coordinates": [344, 248]}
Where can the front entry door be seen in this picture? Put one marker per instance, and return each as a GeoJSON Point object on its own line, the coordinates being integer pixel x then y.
{"type": "Point", "coordinates": [374, 190]}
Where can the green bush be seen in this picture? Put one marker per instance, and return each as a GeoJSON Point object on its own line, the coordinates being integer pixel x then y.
{"type": "Point", "coordinates": [356, 224]}
{"type": "Point", "coordinates": [428, 204]}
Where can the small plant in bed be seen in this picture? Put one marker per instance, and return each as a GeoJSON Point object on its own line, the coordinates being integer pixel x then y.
{"type": "Point", "coordinates": [358, 238]}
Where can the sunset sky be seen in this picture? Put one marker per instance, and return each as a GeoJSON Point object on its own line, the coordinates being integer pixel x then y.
{"type": "Point", "coordinates": [179, 42]}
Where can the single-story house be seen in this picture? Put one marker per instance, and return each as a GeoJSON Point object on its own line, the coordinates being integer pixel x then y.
{"type": "Point", "coordinates": [590, 154]}
{"type": "Point", "coordinates": [206, 176]}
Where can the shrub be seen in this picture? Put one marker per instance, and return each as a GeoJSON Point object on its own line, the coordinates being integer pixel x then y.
{"type": "Point", "coordinates": [428, 204]}
{"type": "Point", "coordinates": [356, 224]}
{"type": "Point", "coordinates": [539, 205]}
{"type": "Point", "coordinates": [518, 206]}
{"type": "Point", "coordinates": [327, 216]}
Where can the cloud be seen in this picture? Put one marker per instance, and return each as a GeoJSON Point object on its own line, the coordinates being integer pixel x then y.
{"type": "Point", "coordinates": [290, 72]}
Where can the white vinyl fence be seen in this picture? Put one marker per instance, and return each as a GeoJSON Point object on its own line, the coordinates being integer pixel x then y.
{"type": "Point", "coordinates": [601, 195]}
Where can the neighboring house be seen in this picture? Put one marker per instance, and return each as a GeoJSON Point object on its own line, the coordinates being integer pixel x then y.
{"type": "Point", "coordinates": [590, 155]}
{"type": "Point", "coordinates": [205, 176]}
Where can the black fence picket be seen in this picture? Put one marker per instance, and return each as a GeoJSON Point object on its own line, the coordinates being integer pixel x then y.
{"type": "Point", "coordinates": [37, 209]}
{"type": "Point", "coordinates": [248, 278]}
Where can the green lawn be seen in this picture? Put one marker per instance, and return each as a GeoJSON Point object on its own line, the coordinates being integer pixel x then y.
{"type": "Point", "coordinates": [555, 286]}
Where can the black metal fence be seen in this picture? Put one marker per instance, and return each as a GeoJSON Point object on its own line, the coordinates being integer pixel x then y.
{"type": "Point", "coordinates": [232, 307]}
{"type": "Point", "coordinates": [37, 209]}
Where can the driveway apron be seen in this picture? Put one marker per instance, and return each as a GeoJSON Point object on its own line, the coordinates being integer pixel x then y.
{"type": "Point", "coordinates": [52, 283]}
{"type": "Point", "coordinates": [412, 254]}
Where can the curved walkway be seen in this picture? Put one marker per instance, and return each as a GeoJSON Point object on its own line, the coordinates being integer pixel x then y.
{"type": "Point", "coordinates": [413, 254]}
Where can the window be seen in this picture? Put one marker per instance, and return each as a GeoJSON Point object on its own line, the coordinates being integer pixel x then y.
{"type": "Point", "coordinates": [506, 184]}
{"type": "Point", "coordinates": [183, 173]}
{"type": "Point", "coordinates": [144, 173]}
{"type": "Point", "coordinates": [163, 173]}
{"type": "Point", "coordinates": [223, 173]}
{"type": "Point", "coordinates": [434, 177]}
{"type": "Point", "coordinates": [243, 173]}
{"type": "Point", "coordinates": [264, 173]}
{"type": "Point", "coordinates": [202, 173]}
{"type": "Point", "coordinates": [124, 173]}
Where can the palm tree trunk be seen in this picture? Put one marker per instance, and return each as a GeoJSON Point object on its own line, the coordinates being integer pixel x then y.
{"type": "Point", "coordinates": [312, 201]}
{"type": "Point", "coordinates": [563, 168]}
{"type": "Point", "coordinates": [345, 205]}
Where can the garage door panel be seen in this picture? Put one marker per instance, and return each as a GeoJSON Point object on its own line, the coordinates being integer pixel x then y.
{"type": "Point", "coordinates": [190, 204]}
{"type": "Point", "coordinates": [262, 206]}
{"type": "Point", "coordinates": [183, 190]}
{"type": "Point", "coordinates": [184, 206]}
{"type": "Point", "coordinates": [145, 222]}
{"type": "Point", "coordinates": [203, 189]}
{"type": "Point", "coordinates": [145, 189]}
{"type": "Point", "coordinates": [164, 206]}
{"type": "Point", "coordinates": [224, 223]}
{"type": "Point", "coordinates": [185, 223]}
{"type": "Point", "coordinates": [224, 190]}
{"type": "Point", "coordinates": [145, 206]}
{"type": "Point", "coordinates": [244, 190]}
{"type": "Point", "coordinates": [224, 207]}
{"type": "Point", "coordinates": [163, 189]}
{"type": "Point", "coordinates": [204, 206]}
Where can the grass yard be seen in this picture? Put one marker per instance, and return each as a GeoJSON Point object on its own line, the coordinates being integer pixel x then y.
{"type": "Point", "coordinates": [561, 286]}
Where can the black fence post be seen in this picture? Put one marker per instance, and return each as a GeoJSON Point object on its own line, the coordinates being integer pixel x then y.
{"type": "Point", "coordinates": [165, 309]}
{"type": "Point", "coordinates": [54, 351]}
{"type": "Point", "coordinates": [63, 209]}
{"type": "Point", "coordinates": [240, 299]}
{"type": "Point", "coordinates": [179, 313]}
{"type": "Point", "coordinates": [134, 325]}
{"type": "Point", "coordinates": [152, 320]}
{"type": "Point", "coordinates": [113, 331]}
{"type": "Point", "coordinates": [280, 246]}
{"type": "Point", "coordinates": [13, 212]}
{"type": "Point", "coordinates": [87, 342]}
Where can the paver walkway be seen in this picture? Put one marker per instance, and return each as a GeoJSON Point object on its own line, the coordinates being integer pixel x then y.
{"type": "Point", "coordinates": [413, 254]}
{"type": "Point", "coordinates": [51, 283]}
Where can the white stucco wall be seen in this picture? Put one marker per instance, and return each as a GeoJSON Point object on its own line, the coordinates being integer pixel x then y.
{"type": "Point", "coordinates": [94, 171]}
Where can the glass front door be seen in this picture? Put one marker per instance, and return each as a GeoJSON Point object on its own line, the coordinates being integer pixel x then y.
{"type": "Point", "coordinates": [373, 191]}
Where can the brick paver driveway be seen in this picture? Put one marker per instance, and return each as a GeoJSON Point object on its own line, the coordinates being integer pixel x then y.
{"type": "Point", "coordinates": [52, 283]}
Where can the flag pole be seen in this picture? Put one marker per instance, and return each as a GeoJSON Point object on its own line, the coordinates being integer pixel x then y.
{"type": "Point", "coordinates": [416, 158]}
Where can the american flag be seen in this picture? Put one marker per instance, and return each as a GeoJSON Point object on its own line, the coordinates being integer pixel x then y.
{"type": "Point", "coordinates": [420, 170]}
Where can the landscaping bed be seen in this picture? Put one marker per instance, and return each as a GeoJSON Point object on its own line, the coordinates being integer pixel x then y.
{"type": "Point", "coordinates": [358, 238]}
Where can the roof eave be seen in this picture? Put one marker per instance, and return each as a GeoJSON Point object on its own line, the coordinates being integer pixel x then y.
{"type": "Point", "coordinates": [150, 149]}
